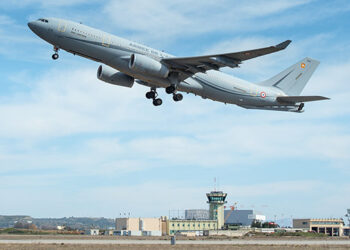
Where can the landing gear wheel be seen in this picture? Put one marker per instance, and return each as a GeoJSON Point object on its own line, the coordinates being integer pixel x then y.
{"type": "Point", "coordinates": [177, 97]}
{"type": "Point", "coordinates": [170, 89]}
{"type": "Point", "coordinates": [150, 95]}
{"type": "Point", "coordinates": [157, 102]}
{"type": "Point", "coordinates": [55, 56]}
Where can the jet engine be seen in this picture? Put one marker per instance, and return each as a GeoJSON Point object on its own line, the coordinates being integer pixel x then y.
{"type": "Point", "coordinates": [112, 76]}
{"type": "Point", "coordinates": [146, 65]}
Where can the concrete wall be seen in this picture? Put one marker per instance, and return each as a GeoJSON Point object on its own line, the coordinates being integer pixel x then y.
{"type": "Point", "coordinates": [301, 223]}
{"type": "Point", "coordinates": [139, 224]}
{"type": "Point", "coordinates": [130, 224]}
{"type": "Point", "coordinates": [164, 227]}
{"type": "Point", "coordinates": [150, 224]}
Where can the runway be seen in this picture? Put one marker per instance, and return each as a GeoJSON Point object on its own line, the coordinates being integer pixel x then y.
{"type": "Point", "coordinates": [294, 242]}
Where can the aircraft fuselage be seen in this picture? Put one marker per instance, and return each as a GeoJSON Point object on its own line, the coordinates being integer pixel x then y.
{"type": "Point", "coordinates": [115, 52]}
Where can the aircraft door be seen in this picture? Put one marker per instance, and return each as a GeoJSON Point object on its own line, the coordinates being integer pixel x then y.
{"type": "Point", "coordinates": [62, 26]}
{"type": "Point", "coordinates": [106, 41]}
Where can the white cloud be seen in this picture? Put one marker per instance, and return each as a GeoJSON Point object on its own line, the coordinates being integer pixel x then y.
{"type": "Point", "coordinates": [194, 132]}
{"type": "Point", "coordinates": [40, 3]}
{"type": "Point", "coordinates": [165, 20]}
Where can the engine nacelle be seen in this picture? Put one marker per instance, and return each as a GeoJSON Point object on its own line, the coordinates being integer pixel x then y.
{"type": "Point", "coordinates": [112, 76]}
{"type": "Point", "coordinates": [146, 65]}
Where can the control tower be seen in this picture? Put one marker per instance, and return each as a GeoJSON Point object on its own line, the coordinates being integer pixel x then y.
{"type": "Point", "coordinates": [216, 200]}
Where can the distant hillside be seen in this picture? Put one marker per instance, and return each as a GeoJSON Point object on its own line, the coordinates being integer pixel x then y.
{"type": "Point", "coordinates": [7, 221]}
{"type": "Point", "coordinates": [72, 222]}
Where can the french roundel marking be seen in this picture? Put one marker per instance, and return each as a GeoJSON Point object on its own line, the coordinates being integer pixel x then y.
{"type": "Point", "coordinates": [302, 65]}
{"type": "Point", "coordinates": [263, 94]}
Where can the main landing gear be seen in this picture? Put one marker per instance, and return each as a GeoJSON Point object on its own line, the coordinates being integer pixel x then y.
{"type": "Point", "coordinates": [153, 95]}
{"type": "Point", "coordinates": [55, 56]}
{"type": "Point", "coordinates": [172, 90]}
{"type": "Point", "coordinates": [301, 106]}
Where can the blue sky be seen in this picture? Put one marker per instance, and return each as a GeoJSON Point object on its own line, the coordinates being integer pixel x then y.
{"type": "Point", "coordinates": [71, 145]}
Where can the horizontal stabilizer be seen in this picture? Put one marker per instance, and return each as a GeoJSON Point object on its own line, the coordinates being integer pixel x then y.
{"type": "Point", "coordinates": [296, 99]}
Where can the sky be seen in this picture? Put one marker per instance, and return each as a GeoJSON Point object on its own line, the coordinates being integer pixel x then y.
{"type": "Point", "coordinates": [71, 145]}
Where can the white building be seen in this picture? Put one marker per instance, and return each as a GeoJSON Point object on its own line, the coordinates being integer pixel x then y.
{"type": "Point", "coordinates": [92, 232]}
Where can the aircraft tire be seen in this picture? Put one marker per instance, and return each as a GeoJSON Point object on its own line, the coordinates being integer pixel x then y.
{"type": "Point", "coordinates": [157, 102]}
{"type": "Point", "coordinates": [149, 95]}
{"type": "Point", "coordinates": [177, 97]}
{"type": "Point", "coordinates": [170, 89]}
{"type": "Point", "coordinates": [55, 56]}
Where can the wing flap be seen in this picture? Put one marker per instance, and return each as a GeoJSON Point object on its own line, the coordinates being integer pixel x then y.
{"type": "Point", "coordinates": [297, 99]}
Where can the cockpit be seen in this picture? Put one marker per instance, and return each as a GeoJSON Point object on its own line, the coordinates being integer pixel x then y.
{"type": "Point", "coordinates": [43, 20]}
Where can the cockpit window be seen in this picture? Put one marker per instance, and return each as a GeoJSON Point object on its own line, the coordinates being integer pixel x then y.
{"type": "Point", "coordinates": [43, 20]}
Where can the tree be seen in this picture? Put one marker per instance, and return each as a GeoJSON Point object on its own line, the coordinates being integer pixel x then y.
{"type": "Point", "coordinates": [256, 223]}
{"type": "Point", "coordinates": [269, 225]}
{"type": "Point", "coordinates": [32, 226]}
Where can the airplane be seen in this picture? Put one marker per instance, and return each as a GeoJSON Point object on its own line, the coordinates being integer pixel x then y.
{"type": "Point", "coordinates": [125, 62]}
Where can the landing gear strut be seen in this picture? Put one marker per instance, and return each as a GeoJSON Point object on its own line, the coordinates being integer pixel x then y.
{"type": "Point", "coordinates": [301, 106]}
{"type": "Point", "coordinates": [153, 95]}
{"type": "Point", "coordinates": [55, 56]}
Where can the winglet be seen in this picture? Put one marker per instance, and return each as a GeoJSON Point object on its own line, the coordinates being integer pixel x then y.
{"type": "Point", "coordinates": [283, 45]}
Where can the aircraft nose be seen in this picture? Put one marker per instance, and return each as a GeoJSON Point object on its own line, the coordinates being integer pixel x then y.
{"type": "Point", "coordinates": [36, 27]}
{"type": "Point", "coordinates": [31, 26]}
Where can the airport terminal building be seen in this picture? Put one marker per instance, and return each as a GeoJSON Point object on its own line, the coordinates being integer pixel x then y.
{"type": "Point", "coordinates": [331, 227]}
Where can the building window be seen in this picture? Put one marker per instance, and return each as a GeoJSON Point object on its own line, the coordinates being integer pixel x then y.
{"type": "Point", "coordinates": [173, 224]}
{"type": "Point", "coordinates": [304, 223]}
{"type": "Point", "coordinates": [178, 225]}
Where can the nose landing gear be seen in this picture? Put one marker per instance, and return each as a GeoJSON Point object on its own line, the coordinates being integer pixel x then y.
{"type": "Point", "coordinates": [55, 56]}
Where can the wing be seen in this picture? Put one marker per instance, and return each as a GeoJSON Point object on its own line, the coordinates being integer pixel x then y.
{"type": "Point", "coordinates": [192, 65]}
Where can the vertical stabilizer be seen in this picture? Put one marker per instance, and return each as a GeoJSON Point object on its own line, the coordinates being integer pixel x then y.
{"type": "Point", "coordinates": [293, 80]}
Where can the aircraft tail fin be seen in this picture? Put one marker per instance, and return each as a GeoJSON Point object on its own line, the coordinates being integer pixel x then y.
{"type": "Point", "coordinates": [293, 79]}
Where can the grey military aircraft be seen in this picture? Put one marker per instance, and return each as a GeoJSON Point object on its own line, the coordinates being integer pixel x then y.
{"type": "Point", "coordinates": [125, 62]}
